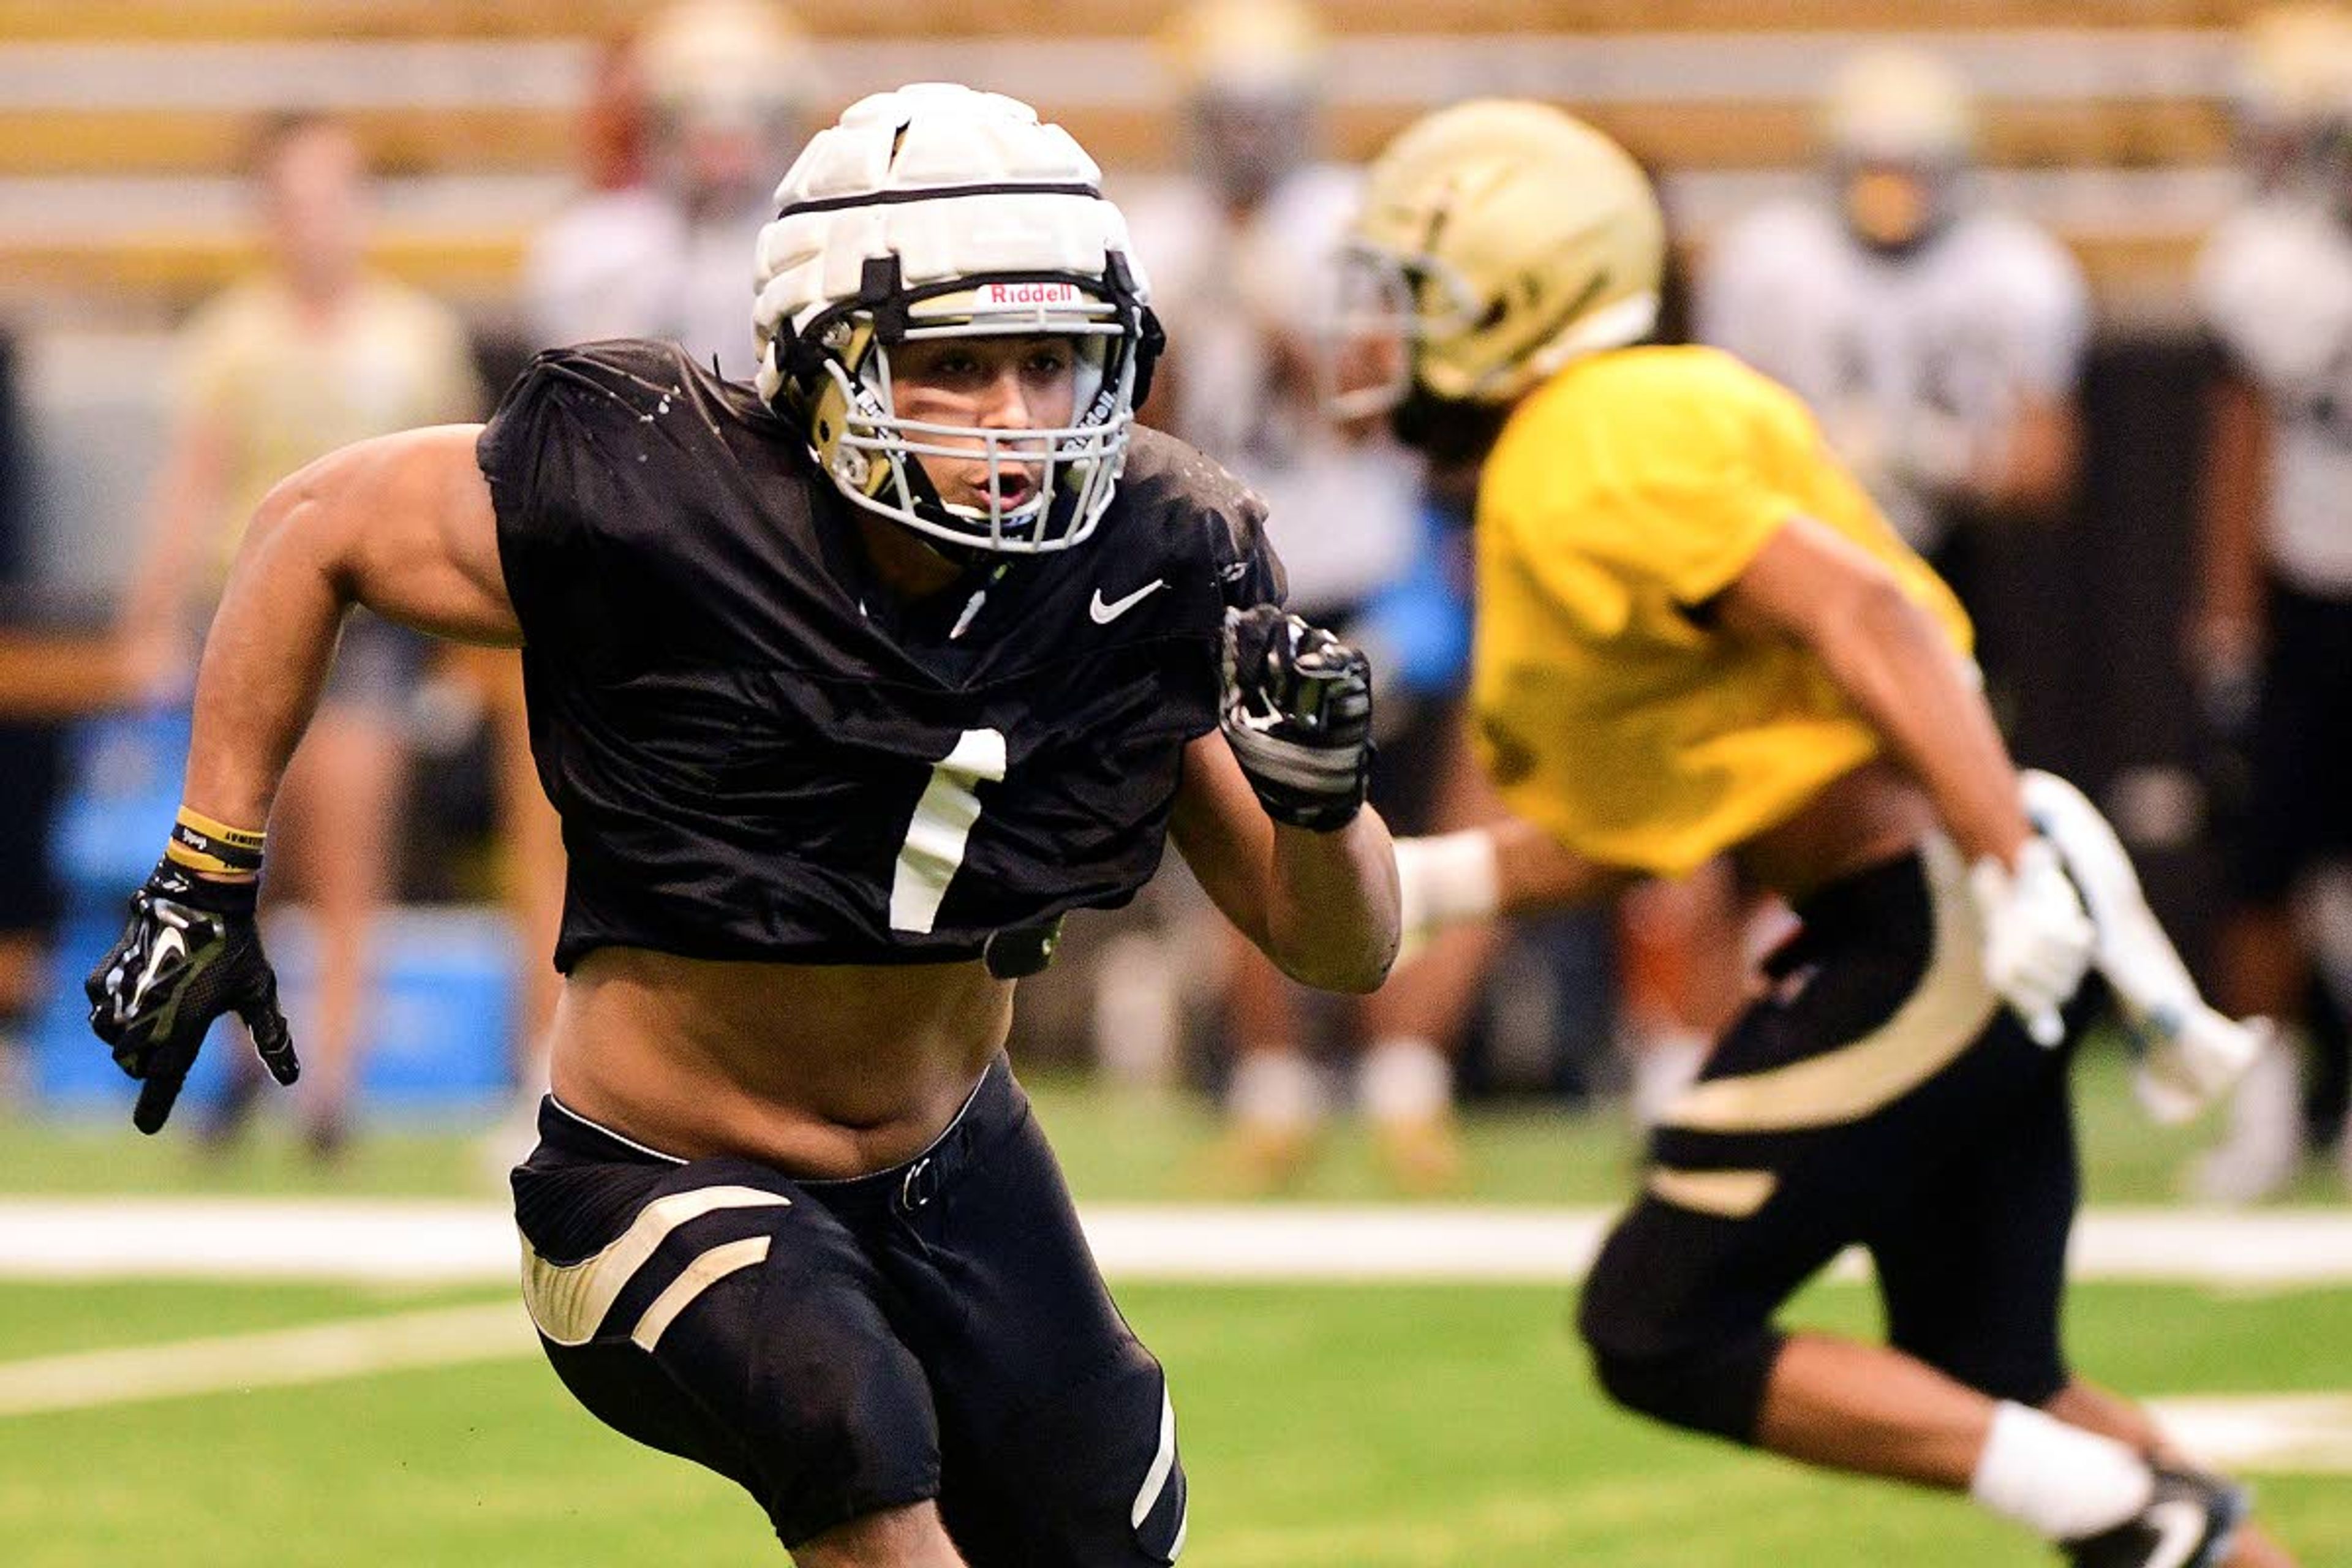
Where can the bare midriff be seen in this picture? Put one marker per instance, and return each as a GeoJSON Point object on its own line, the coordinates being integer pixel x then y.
{"type": "Point", "coordinates": [823, 1071]}
{"type": "Point", "coordinates": [1861, 818]}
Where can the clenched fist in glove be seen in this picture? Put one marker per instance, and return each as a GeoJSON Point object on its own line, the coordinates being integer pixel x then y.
{"type": "Point", "coordinates": [190, 952]}
{"type": "Point", "coordinates": [1296, 708]}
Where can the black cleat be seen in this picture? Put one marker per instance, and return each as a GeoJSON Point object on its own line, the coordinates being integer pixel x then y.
{"type": "Point", "coordinates": [2190, 1522]}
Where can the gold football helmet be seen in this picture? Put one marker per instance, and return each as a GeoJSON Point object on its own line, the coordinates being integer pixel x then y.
{"type": "Point", "coordinates": [1498, 241]}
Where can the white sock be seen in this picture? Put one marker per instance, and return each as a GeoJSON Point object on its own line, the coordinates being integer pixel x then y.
{"type": "Point", "coordinates": [1274, 1089]}
{"type": "Point", "coordinates": [1405, 1079]}
{"type": "Point", "coordinates": [2060, 1481]}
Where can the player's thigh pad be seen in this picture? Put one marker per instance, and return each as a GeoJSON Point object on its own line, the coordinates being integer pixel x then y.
{"type": "Point", "coordinates": [712, 1311]}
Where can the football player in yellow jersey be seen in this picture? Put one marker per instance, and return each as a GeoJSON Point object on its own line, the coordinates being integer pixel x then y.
{"type": "Point", "coordinates": [1698, 635]}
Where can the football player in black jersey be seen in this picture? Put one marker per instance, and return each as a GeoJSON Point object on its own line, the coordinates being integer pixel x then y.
{"type": "Point", "coordinates": [846, 688]}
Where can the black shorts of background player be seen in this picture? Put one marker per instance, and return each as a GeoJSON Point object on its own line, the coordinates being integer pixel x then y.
{"type": "Point", "coordinates": [846, 687]}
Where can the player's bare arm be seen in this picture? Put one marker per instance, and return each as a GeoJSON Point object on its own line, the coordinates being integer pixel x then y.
{"type": "Point", "coordinates": [1326, 911]}
{"type": "Point", "coordinates": [1507, 867]}
{"type": "Point", "coordinates": [403, 524]}
{"type": "Point", "coordinates": [1808, 584]}
{"type": "Point", "coordinates": [1811, 586]}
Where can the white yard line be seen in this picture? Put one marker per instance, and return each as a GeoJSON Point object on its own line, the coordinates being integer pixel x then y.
{"type": "Point", "coordinates": [455, 1243]}
{"type": "Point", "coordinates": [2303, 1433]}
{"type": "Point", "coordinates": [316, 1352]}
{"type": "Point", "coordinates": [378, 1242]}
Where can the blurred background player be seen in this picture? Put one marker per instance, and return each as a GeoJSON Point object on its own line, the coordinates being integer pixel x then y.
{"type": "Point", "coordinates": [1697, 636]}
{"type": "Point", "coordinates": [1937, 338]}
{"type": "Point", "coordinates": [1237, 251]}
{"type": "Point", "coordinates": [2270, 641]}
{"type": "Point", "coordinates": [313, 352]}
{"type": "Point", "coordinates": [727, 89]}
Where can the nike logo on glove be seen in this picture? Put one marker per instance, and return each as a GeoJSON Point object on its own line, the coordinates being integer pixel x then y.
{"type": "Point", "coordinates": [170, 945]}
{"type": "Point", "coordinates": [1103, 612]}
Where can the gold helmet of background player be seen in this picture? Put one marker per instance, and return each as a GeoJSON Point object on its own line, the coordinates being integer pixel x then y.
{"type": "Point", "coordinates": [1497, 240]}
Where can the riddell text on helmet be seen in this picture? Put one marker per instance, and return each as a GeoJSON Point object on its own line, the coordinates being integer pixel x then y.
{"type": "Point", "coordinates": [1030, 294]}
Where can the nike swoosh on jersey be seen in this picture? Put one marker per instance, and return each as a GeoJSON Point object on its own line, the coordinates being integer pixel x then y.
{"type": "Point", "coordinates": [1103, 613]}
{"type": "Point", "coordinates": [2179, 1530]}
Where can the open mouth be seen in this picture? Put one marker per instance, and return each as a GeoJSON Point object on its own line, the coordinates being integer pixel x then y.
{"type": "Point", "coordinates": [1013, 491]}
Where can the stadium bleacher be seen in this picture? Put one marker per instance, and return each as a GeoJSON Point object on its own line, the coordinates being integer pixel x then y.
{"type": "Point", "coordinates": [120, 125]}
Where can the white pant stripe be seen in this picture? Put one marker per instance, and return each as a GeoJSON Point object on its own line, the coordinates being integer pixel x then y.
{"type": "Point", "coordinates": [697, 1277]}
{"type": "Point", "coordinates": [1155, 1480]}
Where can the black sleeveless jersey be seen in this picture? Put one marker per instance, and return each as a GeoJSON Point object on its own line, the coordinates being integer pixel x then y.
{"type": "Point", "coordinates": [759, 753]}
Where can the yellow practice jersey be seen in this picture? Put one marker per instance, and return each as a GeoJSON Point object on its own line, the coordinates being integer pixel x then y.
{"type": "Point", "coordinates": [1623, 495]}
{"type": "Point", "coordinates": [274, 390]}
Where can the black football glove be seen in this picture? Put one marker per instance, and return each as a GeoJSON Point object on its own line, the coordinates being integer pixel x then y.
{"type": "Point", "coordinates": [1296, 708]}
{"type": "Point", "coordinates": [190, 953]}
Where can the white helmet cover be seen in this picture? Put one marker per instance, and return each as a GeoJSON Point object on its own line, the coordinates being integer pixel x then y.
{"type": "Point", "coordinates": [937, 210]}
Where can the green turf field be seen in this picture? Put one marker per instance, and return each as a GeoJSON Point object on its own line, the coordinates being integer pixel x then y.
{"type": "Point", "coordinates": [1335, 1425]}
{"type": "Point", "coordinates": [1332, 1425]}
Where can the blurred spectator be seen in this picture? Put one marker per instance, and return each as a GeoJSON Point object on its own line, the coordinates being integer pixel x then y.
{"type": "Point", "coordinates": [726, 88]}
{"type": "Point", "coordinates": [1235, 254]}
{"type": "Point", "coordinates": [1937, 339]}
{"type": "Point", "coordinates": [2271, 637]}
{"type": "Point", "coordinates": [312, 353]}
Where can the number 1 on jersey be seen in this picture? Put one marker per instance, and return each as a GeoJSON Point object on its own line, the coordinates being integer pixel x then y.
{"type": "Point", "coordinates": [943, 824]}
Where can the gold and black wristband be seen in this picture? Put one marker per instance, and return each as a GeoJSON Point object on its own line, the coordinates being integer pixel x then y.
{"type": "Point", "coordinates": [214, 848]}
